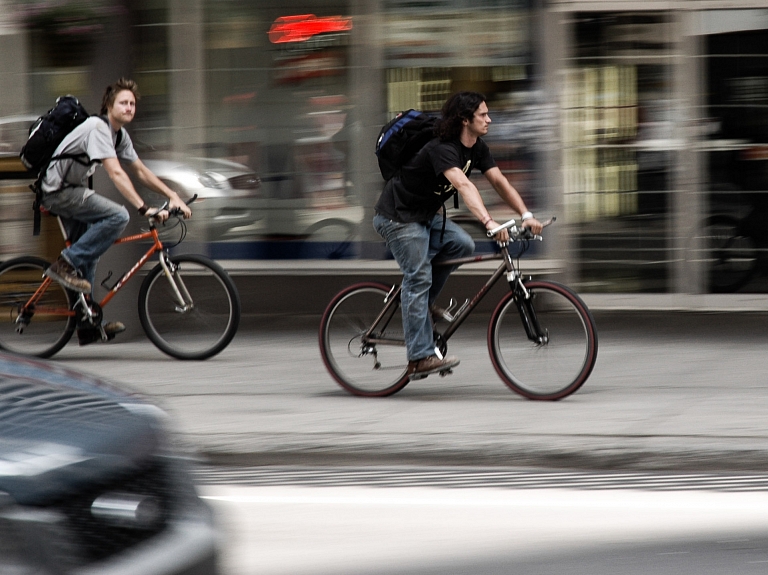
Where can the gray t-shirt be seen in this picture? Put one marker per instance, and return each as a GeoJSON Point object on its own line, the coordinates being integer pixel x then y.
{"type": "Point", "coordinates": [93, 138]}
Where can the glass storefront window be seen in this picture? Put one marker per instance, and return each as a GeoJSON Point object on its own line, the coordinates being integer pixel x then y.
{"type": "Point", "coordinates": [150, 41]}
{"type": "Point", "coordinates": [736, 224]}
{"type": "Point", "coordinates": [278, 95]}
{"type": "Point", "coordinates": [617, 138]}
{"type": "Point", "coordinates": [434, 49]}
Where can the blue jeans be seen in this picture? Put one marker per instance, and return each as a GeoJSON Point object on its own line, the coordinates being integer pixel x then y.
{"type": "Point", "coordinates": [92, 222]}
{"type": "Point", "coordinates": [415, 246]}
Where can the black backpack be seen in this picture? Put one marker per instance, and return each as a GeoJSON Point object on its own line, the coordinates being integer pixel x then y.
{"type": "Point", "coordinates": [401, 139]}
{"type": "Point", "coordinates": [49, 130]}
{"type": "Point", "coordinates": [45, 135]}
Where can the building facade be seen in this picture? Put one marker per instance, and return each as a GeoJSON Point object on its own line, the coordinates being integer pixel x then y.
{"type": "Point", "coordinates": [643, 126]}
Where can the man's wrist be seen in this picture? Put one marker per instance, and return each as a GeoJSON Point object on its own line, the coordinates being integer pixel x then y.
{"type": "Point", "coordinates": [526, 216]}
{"type": "Point", "coordinates": [143, 209]}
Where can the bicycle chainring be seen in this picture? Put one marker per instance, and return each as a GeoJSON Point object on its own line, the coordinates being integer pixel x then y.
{"type": "Point", "coordinates": [84, 321]}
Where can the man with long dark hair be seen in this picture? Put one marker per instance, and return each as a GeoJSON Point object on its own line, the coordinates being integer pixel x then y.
{"type": "Point", "coordinates": [410, 216]}
{"type": "Point", "coordinates": [92, 221]}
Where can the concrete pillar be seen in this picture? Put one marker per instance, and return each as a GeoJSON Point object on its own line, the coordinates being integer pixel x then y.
{"type": "Point", "coordinates": [367, 114]}
{"type": "Point", "coordinates": [554, 37]}
{"type": "Point", "coordinates": [688, 178]}
{"type": "Point", "coordinates": [14, 64]}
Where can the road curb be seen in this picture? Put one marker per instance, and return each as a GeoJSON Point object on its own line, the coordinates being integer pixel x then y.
{"type": "Point", "coordinates": [633, 455]}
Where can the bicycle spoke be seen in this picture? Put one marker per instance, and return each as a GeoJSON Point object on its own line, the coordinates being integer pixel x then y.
{"type": "Point", "coordinates": [208, 321]}
{"type": "Point", "coordinates": [560, 365]}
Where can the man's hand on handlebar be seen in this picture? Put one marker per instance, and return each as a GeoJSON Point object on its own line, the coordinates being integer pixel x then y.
{"type": "Point", "coordinates": [502, 236]}
{"type": "Point", "coordinates": [534, 225]}
{"type": "Point", "coordinates": [178, 204]}
{"type": "Point", "coordinates": [160, 214]}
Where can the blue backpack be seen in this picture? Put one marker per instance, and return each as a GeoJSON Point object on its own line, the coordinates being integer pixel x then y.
{"type": "Point", "coordinates": [401, 139]}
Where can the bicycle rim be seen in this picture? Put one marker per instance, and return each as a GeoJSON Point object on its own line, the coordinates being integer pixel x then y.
{"type": "Point", "coordinates": [370, 370]}
{"type": "Point", "coordinates": [202, 328]}
{"type": "Point", "coordinates": [550, 370]}
{"type": "Point", "coordinates": [49, 328]}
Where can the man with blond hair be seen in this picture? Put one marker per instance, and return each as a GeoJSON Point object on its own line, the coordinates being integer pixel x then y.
{"type": "Point", "coordinates": [93, 222]}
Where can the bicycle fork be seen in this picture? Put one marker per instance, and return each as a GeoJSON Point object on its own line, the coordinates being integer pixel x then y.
{"type": "Point", "coordinates": [184, 302]}
{"type": "Point", "coordinates": [524, 302]}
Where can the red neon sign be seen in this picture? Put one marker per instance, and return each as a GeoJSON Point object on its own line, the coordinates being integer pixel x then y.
{"type": "Point", "coordinates": [302, 27]}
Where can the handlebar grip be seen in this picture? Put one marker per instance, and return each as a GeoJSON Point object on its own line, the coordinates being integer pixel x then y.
{"type": "Point", "coordinates": [177, 211]}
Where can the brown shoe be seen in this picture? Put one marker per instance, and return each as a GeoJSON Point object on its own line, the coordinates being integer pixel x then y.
{"type": "Point", "coordinates": [66, 275]}
{"type": "Point", "coordinates": [431, 364]}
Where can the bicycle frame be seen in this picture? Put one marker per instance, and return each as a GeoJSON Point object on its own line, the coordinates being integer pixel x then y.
{"type": "Point", "coordinates": [506, 268]}
{"type": "Point", "coordinates": [157, 246]}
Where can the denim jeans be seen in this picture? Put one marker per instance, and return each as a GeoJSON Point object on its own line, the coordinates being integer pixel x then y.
{"type": "Point", "coordinates": [92, 222]}
{"type": "Point", "coordinates": [415, 246]}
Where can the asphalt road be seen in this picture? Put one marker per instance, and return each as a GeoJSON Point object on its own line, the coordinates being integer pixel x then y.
{"type": "Point", "coordinates": [677, 391]}
{"type": "Point", "coordinates": [387, 521]}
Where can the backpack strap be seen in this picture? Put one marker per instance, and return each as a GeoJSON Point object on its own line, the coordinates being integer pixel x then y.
{"type": "Point", "coordinates": [119, 133]}
{"type": "Point", "coordinates": [38, 191]}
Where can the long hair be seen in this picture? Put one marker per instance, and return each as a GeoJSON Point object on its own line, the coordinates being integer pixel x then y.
{"type": "Point", "coordinates": [459, 107]}
{"type": "Point", "coordinates": [111, 92]}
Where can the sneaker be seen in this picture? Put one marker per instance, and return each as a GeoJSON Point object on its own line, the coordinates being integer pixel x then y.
{"type": "Point", "coordinates": [88, 335]}
{"type": "Point", "coordinates": [63, 272]}
{"type": "Point", "coordinates": [431, 364]}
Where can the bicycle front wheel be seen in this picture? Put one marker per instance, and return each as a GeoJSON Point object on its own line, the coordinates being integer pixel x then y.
{"type": "Point", "coordinates": [201, 325]}
{"type": "Point", "coordinates": [555, 367]}
{"type": "Point", "coordinates": [45, 329]}
{"type": "Point", "coordinates": [374, 367]}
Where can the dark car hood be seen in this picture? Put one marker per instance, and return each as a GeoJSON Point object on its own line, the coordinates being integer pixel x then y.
{"type": "Point", "coordinates": [60, 429]}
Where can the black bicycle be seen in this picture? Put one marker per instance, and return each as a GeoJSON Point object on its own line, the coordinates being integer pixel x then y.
{"type": "Point", "coordinates": [734, 250]}
{"type": "Point", "coordinates": [542, 338]}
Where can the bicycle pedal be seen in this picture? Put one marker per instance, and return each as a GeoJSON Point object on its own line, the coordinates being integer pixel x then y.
{"type": "Point", "coordinates": [415, 376]}
{"type": "Point", "coordinates": [446, 372]}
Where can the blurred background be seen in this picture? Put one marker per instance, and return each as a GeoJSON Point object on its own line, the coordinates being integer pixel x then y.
{"type": "Point", "coordinates": [644, 131]}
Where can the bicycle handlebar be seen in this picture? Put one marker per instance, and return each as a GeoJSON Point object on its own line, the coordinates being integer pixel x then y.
{"type": "Point", "coordinates": [518, 234]}
{"type": "Point", "coordinates": [175, 212]}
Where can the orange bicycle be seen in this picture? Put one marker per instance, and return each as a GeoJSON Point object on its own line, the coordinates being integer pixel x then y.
{"type": "Point", "coordinates": [189, 307]}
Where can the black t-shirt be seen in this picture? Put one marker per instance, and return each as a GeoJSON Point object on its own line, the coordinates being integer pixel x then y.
{"type": "Point", "coordinates": [420, 189]}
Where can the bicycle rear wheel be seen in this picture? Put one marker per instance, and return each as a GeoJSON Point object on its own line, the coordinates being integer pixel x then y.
{"type": "Point", "coordinates": [730, 257]}
{"type": "Point", "coordinates": [50, 326]}
{"type": "Point", "coordinates": [369, 369]}
{"type": "Point", "coordinates": [562, 363]}
{"type": "Point", "coordinates": [207, 321]}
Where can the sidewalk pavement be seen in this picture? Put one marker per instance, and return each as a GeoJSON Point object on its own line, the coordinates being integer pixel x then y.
{"type": "Point", "coordinates": [670, 391]}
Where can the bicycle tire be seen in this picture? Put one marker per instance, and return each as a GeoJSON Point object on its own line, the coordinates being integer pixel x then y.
{"type": "Point", "coordinates": [46, 333]}
{"type": "Point", "coordinates": [552, 370]}
{"type": "Point", "coordinates": [731, 257]}
{"type": "Point", "coordinates": [204, 329]}
{"type": "Point", "coordinates": [378, 371]}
